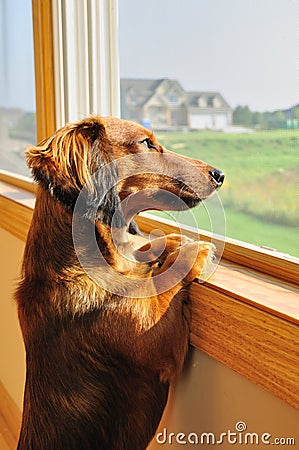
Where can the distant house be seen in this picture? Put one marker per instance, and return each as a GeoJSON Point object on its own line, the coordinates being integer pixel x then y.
{"type": "Point", "coordinates": [164, 104]}
{"type": "Point", "coordinates": [291, 117]}
{"type": "Point", "coordinates": [291, 113]}
{"type": "Point", "coordinates": [208, 110]}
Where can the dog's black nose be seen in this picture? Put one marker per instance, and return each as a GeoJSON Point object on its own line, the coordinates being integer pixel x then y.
{"type": "Point", "coordinates": [217, 176]}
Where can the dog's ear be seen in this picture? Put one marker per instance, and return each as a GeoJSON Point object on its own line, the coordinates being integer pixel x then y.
{"type": "Point", "coordinates": [78, 158]}
{"type": "Point", "coordinates": [102, 202]}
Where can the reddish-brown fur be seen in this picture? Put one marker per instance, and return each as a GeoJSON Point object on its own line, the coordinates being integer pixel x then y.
{"type": "Point", "coordinates": [99, 363]}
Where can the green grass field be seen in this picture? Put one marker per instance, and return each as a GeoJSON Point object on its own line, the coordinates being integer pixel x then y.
{"type": "Point", "coordinates": [260, 195]}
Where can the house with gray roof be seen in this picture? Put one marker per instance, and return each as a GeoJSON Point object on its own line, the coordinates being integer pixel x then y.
{"type": "Point", "coordinates": [164, 105]}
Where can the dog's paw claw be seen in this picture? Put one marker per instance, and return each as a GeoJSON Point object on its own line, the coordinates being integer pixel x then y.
{"type": "Point", "coordinates": [204, 264]}
{"type": "Point", "coordinates": [210, 262]}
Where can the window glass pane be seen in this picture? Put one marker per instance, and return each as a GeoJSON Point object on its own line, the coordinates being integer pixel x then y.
{"type": "Point", "coordinates": [17, 96]}
{"type": "Point", "coordinates": [218, 81]}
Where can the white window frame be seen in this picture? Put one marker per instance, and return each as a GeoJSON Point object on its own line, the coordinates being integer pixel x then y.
{"type": "Point", "coordinates": [86, 38]}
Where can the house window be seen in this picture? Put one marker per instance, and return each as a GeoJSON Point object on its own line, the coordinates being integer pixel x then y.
{"type": "Point", "coordinates": [173, 98]}
{"type": "Point", "coordinates": [132, 97]}
{"type": "Point", "coordinates": [252, 82]}
{"type": "Point", "coordinates": [17, 91]}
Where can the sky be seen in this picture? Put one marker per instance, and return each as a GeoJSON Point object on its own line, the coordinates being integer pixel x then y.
{"type": "Point", "coordinates": [248, 50]}
{"type": "Point", "coordinates": [16, 55]}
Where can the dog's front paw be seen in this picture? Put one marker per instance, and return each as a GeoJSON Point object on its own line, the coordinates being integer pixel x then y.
{"type": "Point", "coordinates": [203, 255]}
{"type": "Point", "coordinates": [157, 250]}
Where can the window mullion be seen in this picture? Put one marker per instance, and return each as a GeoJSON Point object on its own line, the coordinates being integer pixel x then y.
{"type": "Point", "coordinates": [87, 58]}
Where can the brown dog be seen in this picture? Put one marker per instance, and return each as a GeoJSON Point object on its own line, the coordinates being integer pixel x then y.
{"type": "Point", "coordinates": [106, 326]}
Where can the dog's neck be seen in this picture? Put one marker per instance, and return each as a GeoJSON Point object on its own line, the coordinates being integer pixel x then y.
{"type": "Point", "coordinates": [66, 197]}
{"type": "Point", "coordinates": [51, 225]}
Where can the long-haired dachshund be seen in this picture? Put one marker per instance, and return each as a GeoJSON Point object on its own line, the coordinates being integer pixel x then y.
{"type": "Point", "coordinates": [105, 323]}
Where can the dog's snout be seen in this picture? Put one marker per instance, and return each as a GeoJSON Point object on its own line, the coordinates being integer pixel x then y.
{"type": "Point", "coordinates": [218, 176]}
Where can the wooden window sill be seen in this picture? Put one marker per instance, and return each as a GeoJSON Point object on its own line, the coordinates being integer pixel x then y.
{"type": "Point", "coordinates": [245, 317]}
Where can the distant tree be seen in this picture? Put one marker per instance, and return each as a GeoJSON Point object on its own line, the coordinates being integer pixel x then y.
{"type": "Point", "coordinates": [279, 119]}
{"type": "Point", "coordinates": [258, 119]}
{"type": "Point", "coordinates": [242, 116]}
{"type": "Point", "coordinates": [268, 119]}
{"type": "Point", "coordinates": [295, 113]}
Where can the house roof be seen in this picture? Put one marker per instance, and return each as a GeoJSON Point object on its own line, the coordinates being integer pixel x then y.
{"type": "Point", "coordinates": [207, 97]}
{"type": "Point", "coordinates": [144, 89]}
{"type": "Point", "coordinates": [289, 110]}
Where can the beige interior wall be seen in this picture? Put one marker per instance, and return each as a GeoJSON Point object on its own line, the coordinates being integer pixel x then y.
{"type": "Point", "coordinates": [12, 355]}
{"type": "Point", "coordinates": [209, 397]}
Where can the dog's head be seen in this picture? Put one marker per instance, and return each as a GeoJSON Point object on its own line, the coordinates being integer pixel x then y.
{"type": "Point", "coordinates": [117, 160]}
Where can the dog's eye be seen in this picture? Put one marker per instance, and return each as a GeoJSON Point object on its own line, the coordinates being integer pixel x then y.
{"type": "Point", "coordinates": [148, 143]}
